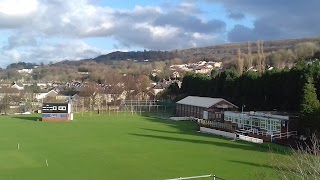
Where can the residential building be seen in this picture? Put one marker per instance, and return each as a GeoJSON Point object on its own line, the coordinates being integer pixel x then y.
{"type": "Point", "coordinates": [17, 85]}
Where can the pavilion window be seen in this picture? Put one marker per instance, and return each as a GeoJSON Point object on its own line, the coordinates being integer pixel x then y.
{"type": "Point", "coordinates": [263, 124]}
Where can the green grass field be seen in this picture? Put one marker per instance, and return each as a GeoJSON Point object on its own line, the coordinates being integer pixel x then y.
{"type": "Point", "coordinates": [121, 147]}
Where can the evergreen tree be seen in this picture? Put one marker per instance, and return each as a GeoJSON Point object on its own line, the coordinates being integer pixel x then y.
{"type": "Point", "coordinates": [309, 108]}
{"type": "Point", "coordinates": [310, 102]}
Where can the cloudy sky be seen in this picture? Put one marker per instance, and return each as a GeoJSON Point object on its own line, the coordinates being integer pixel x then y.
{"type": "Point", "coordinates": [54, 30]}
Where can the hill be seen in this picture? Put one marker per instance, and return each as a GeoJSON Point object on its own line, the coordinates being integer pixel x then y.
{"type": "Point", "coordinates": [227, 50]}
{"type": "Point", "coordinates": [218, 52]}
{"type": "Point", "coordinates": [137, 55]}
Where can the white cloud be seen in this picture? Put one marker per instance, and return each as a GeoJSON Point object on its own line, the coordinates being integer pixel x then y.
{"type": "Point", "coordinates": [68, 51]}
{"type": "Point", "coordinates": [18, 7]}
{"type": "Point", "coordinates": [72, 50]}
{"type": "Point", "coordinates": [13, 54]}
{"type": "Point", "coordinates": [179, 24]}
{"type": "Point", "coordinates": [17, 13]}
{"type": "Point", "coordinates": [159, 32]}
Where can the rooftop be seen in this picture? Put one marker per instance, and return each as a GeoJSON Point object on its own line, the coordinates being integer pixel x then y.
{"type": "Point", "coordinates": [205, 102]}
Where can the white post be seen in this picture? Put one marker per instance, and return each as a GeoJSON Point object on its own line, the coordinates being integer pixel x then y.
{"type": "Point", "coordinates": [47, 162]}
{"type": "Point", "coordinates": [18, 145]}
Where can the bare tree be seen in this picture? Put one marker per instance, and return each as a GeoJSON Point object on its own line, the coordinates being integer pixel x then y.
{"type": "Point", "coordinates": [82, 104]}
{"type": "Point", "coordinates": [91, 103]}
{"type": "Point", "coordinates": [305, 50]}
{"type": "Point", "coordinates": [261, 57]}
{"type": "Point", "coordinates": [98, 101]}
{"type": "Point", "coordinates": [240, 63]}
{"type": "Point", "coordinates": [303, 163]}
{"type": "Point", "coordinates": [275, 60]}
{"type": "Point", "coordinates": [249, 57]}
{"type": "Point", "coordinates": [115, 86]}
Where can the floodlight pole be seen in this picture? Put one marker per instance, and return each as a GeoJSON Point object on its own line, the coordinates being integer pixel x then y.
{"type": "Point", "coordinates": [243, 106]}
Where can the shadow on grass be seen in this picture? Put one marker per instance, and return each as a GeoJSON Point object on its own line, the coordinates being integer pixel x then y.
{"type": "Point", "coordinates": [183, 126]}
{"type": "Point", "coordinates": [237, 145]}
{"type": "Point", "coordinates": [28, 118]}
{"type": "Point", "coordinates": [282, 167]}
{"type": "Point", "coordinates": [253, 164]}
{"type": "Point", "coordinates": [162, 131]}
{"type": "Point", "coordinates": [191, 128]}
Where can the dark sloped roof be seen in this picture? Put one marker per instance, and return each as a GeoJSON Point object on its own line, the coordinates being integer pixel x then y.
{"type": "Point", "coordinates": [68, 93]}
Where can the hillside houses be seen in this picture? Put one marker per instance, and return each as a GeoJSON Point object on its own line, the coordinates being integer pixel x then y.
{"type": "Point", "coordinates": [25, 71]}
{"type": "Point", "coordinates": [33, 94]}
{"type": "Point", "coordinates": [202, 67]}
{"type": "Point", "coordinates": [17, 85]}
{"type": "Point", "coordinates": [5, 91]}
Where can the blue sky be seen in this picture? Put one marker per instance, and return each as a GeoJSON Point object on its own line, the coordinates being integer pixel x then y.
{"type": "Point", "coordinates": [55, 30]}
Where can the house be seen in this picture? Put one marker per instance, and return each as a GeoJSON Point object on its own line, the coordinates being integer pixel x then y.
{"type": "Point", "coordinates": [40, 95]}
{"type": "Point", "coordinates": [43, 85]}
{"type": "Point", "coordinates": [25, 71]}
{"type": "Point", "coordinates": [217, 64]}
{"type": "Point", "coordinates": [65, 95]}
{"type": "Point", "coordinates": [202, 70]}
{"type": "Point", "coordinates": [204, 107]}
{"type": "Point", "coordinates": [9, 92]}
{"type": "Point", "coordinates": [18, 86]}
{"type": "Point", "coordinates": [52, 93]}
{"type": "Point", "coordinates": [158, 88]}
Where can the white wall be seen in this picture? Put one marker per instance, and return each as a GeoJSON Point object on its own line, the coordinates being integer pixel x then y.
{"type": "Point", "coordinates": [181, 118]}
{"type": "Point", "coordinates": [218, 132]}
{"type": "Point", "coordinates": [40, 96]}
{"type": "Point", "coordinates": [250, 139]}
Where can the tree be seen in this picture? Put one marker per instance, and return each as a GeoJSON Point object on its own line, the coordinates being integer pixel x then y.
{"type": "Point", "coordinates": [142, 82]}
{"type": "Point", "coordinates": [261, 57]}
{"type": "Point", "coordinates": [171, 92]}
{"type": "Point", "coordinates": [310, 102]}
{"type": "Point", "coordinates": [214, 73]}
{"type": "Point", "coordinates": [275, 60]}
{"type": "Point", "coordinates": [309, 108]}
{"type": "Point", "coordinates": [240, 62]}
{"type": "Point", "coordinates": [98, 101]}
{"type": "Point", "coordinates": [4, 104]}
{"type": "Point", "coordinates": [303, 163]}
{"type": "Point", "coordinates": [116, 86]}
{"type": "Point", "coordinates": [305, 50]}
{"type": "Point", "coordinates": [174, 88]}
{"type": "Point", "coordinates": [249, 57]}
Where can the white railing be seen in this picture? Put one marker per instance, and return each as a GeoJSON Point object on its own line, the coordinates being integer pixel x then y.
{"type": "Point", "coordinates": [197, 177]}
{"type": "Point", "coordinates": [284, 135]}
{"type": "Point", "coordinates": [253, 131]}
{"type": "Point", "coordinates": [274, 135]}
{"type": "Point", "coordinates": [215, 124]}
